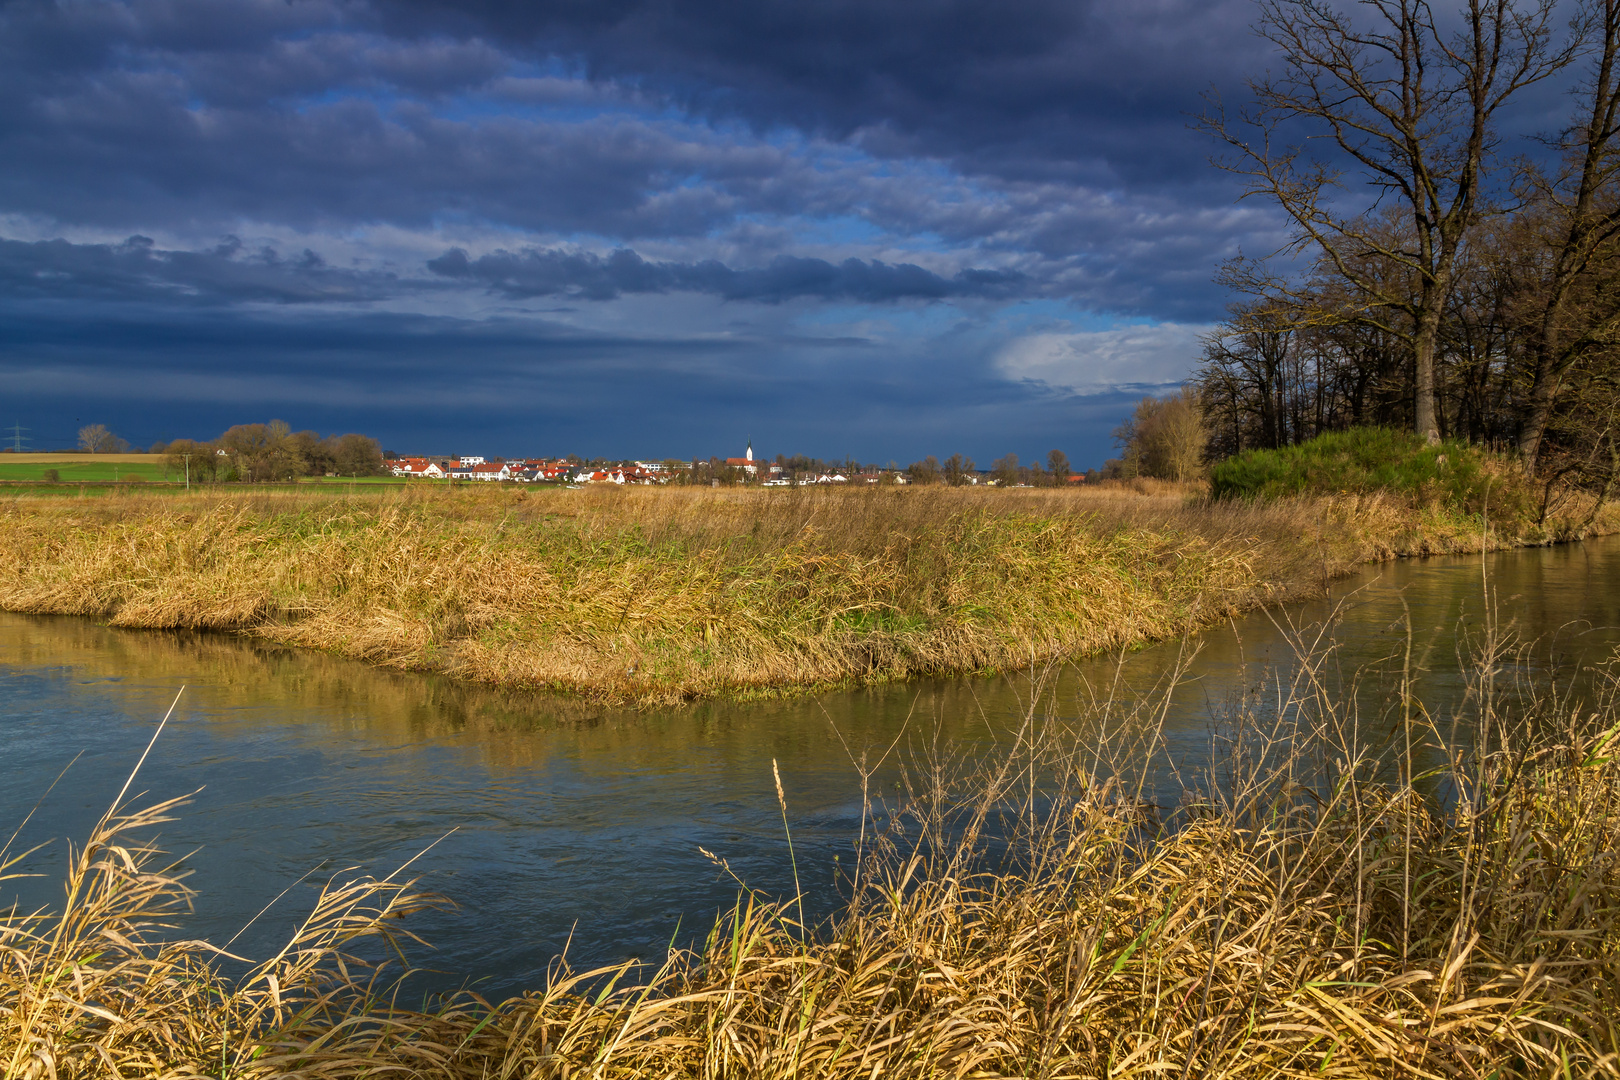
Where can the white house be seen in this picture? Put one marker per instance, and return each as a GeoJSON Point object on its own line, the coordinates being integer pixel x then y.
{"type": "Point", "coordinates": [489, 471]}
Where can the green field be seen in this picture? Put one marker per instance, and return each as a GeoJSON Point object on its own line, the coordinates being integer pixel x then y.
{"type": "Point", "coordinates": [103, 468]}
{"type": "Point", "coordinates": [78, 468]}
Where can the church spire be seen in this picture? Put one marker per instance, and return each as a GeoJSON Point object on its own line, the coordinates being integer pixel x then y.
{"type": "Point", "coordinates": [750, 448]}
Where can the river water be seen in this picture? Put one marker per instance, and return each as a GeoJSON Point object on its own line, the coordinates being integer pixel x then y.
{"type": "Point", "coordinates": [579, 827]}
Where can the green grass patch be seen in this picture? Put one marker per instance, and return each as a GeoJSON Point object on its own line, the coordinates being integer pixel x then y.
{"type": "Point", "coordinates": [390, 481]}
{"type": "Point", "coordinates": [1366, 461]}
{"type": "Point", "coordinates": [69, 471]}
{"type": "Point", "coordinates": [881, 622]}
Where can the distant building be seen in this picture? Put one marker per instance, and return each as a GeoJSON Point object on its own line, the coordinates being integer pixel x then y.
{"type": "Point", "coordinates": [745, 463]}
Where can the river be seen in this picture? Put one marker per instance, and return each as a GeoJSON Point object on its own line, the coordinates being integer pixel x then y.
{"type": "Point", "coordinates": [565, 825]}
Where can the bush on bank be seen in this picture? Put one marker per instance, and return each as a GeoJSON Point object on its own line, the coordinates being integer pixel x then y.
{"type": "Point", "coordinates": [1451, 474]}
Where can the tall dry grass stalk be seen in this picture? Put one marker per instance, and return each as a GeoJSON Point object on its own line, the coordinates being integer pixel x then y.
{"type": "Point", "coordinates": [1353, 889]}
{"type": "Point", "coordinates": [101, 988]}
{"type": "Point", "coordinates": [657, 596]}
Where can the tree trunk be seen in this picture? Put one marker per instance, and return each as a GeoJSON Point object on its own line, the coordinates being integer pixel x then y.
{"type": "Point", "coordinates": [1542, 391]}
{"type": "Point", "coordinates": [1425, 343]}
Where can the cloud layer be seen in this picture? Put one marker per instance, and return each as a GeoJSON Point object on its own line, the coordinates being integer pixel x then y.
{"type": "Point", "coordinates": [1146, 358]}
{"type": "Point", "coordinates": [552, 272]}
{"type": "Point", "coordinates": [869, 221]}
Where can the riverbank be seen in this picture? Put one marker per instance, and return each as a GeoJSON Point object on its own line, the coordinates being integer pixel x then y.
{"type": "Point", "coordinates": [655, 596]}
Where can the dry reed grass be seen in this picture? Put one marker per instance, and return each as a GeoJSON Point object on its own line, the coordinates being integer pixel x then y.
{"type": "Point", "coordinates": [658, 596]}
{"type": "Point", "coordinates": [99, 989]}
{"type": "Point", "coordinates": [1310, 908]}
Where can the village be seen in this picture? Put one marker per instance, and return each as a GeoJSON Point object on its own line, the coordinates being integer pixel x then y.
{"type": "Point", "coordinates": [743, 469]}
{"type": "Point", "coordinates": [782, 472]}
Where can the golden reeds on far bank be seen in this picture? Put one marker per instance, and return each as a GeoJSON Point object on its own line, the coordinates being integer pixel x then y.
{"type": "Point", "coordinates": [1312, 905]}
{"type": "Point", "coordinates": [658, 596]}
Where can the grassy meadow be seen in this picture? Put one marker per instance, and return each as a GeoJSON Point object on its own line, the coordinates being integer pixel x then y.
{"type": "Point", "coordinates": [79, 469]}
{"type": "Point", "coordinates": [84, 468]}
{"type": "Point", "coordinates": [655, 596]}
{"type": "Point", "coordinates": [1309, 908]}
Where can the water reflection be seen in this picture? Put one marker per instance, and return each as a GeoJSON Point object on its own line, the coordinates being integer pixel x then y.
{"type": "Point", "coordinates": [579, 822]}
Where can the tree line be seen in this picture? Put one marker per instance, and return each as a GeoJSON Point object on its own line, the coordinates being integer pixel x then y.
{"type": "Point", "coordinates": [257, 453]}
{"type": "Point", "coordinates": [1433, 281]}
{"type": "Point", "coordinates": [956, 470]}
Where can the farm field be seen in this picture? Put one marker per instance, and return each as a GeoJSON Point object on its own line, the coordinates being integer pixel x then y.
{"type": "Point", "coordinates": [79, 468]}
{"type": "Point", "coordinates": [120, 468]}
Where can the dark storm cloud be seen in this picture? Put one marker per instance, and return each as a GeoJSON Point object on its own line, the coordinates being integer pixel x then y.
{"type": "Point", "coordinates": [831, 154]}
{"type": "Point", "coordinates": [138, 270]}
{"type": "Point", "coordinates": [1073, 89]}
{"type": "Point", "coordinates": [229, 105]}
{"type": "Point", "coordinates": [519, 386]}
{"type": "Point", "coordinates": [354, 348]}
{"type": "Point", "coordinates": [167, 114]}
{"type": "Point", "coordinates": [551, 272]}
{"type": "Point", "coordinates": [196, 116]}
{"type": "Point", "coordinates": [1079, 89]}
{"type": "Point", "coordinates": [133, 149]}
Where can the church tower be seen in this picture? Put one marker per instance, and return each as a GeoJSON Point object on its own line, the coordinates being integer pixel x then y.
{"type": "Point", "coordinates": [750, 449]}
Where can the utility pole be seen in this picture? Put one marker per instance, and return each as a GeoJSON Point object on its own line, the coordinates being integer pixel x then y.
{"type": "Point", "coordinates": [188, 471]}
{"type": "Point", "coordinates": [17, 438]}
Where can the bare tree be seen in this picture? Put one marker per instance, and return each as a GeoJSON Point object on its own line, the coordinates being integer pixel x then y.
{"type": "Point", "coordinates": [90, 437]}
{"type": "Point", "coordinates": [925, 471]}
{"type": "Point", "coordinates": [1409, 106]}
{"type": "Point", "coordinates": [1578, 225]}
{"type": "Point", "coordinates": [190, 459]}
{"type": "Point", "coordinates": [96, 439]}
{"type": "Point", "coordinates": [356, 455]}
{"type": "Point", "coordinates": [1057, 463]}
{"type": "Point", "coordinates": [1246, 366]}
{"type": "Point", "coordinates": [957, 470]}
{"type": "Point", "coordinates": [1165, 437]}
{"type": "Point", "coordinates": [263, 452]}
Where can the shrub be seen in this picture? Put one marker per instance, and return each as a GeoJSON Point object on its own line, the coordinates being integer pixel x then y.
{"type": "Point", "coordinates": [1364, 461]}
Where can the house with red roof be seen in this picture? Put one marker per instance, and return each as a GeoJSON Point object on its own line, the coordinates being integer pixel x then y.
{"type": "Point", "coordinates": [489, 470]}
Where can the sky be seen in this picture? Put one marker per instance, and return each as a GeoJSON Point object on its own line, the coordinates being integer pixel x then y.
{"type": "Point", "coordinates": [625, 228]}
